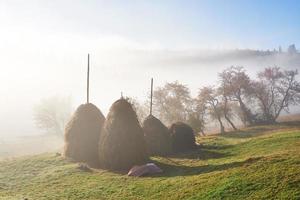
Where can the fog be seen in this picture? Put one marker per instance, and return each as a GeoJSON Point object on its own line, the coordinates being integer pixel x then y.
{"type": "Point", "coordinates": [55, 66]}
{"type": "Point", "coordinates": [44, 49]}
{"type": "Point", "coordinates": [60, 69]}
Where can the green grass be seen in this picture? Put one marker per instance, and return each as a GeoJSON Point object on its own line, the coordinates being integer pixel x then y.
{"type": "Point", "coordinates": [255, 163]}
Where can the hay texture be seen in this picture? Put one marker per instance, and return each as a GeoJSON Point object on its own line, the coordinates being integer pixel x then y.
{"type": "Point", "coordinates": [157, 136]}
{"type": "Point", "coordinates": [122, 143]}
{"type": "Point", "coordinates": [182, 137]}
{"type": "Point", "coordinates": [82, 134]}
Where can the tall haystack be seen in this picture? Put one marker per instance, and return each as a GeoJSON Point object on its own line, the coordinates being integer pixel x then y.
{"type": "Point", "coordinates": [182, 136]}
{"type": "Point", "coordinates": [122, 143]}
{"type": "Point", "coordinates": [82, 134]}
{"type": "Point", "coordinates": [157, 137]}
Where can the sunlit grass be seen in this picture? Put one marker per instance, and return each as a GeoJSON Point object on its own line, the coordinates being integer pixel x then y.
{"type": "Point", "coordinates": [255, 163]}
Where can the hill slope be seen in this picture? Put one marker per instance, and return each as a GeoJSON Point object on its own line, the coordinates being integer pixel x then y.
{"type": "Point", "coordinates": [256, 163]}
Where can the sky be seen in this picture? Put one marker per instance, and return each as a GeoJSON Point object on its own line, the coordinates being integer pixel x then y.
{"type": "Point", "coordinates": [165, 24]}
{"type": "Point", "coordinates": [44, 45]}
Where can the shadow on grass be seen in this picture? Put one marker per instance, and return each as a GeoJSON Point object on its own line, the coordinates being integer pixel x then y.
{"type": "Point", "coordinates": [172, 169]}
{"type": "Point", "coordinates": [199, 153]}
{"type": "Point", "coordinates": [261, 130]}
{"type": "Point", "coordinates": [202, 153]}
{"type": "Point", "coordinates": [255, 131]}
{"type": "Point", "coordinates": [215, 146]}
{"type": "Point", "coordinates": [291, 123]}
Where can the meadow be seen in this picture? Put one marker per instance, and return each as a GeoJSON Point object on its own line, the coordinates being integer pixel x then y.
{"type": "Point", "coordinates": [261, 162]}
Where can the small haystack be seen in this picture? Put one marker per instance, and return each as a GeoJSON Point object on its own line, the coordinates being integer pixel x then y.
{"type": "Point", "coordinates": [157, 137]}
{"type": "Point", "coordinates": [182, 137]}
{"type": "Point", "coordinates": [122, 143]}
{"type": "Point", "coordinates": [82, 134]}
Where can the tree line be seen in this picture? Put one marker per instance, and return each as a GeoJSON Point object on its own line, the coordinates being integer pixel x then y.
{"type": "Point", "coordinates": [235, 98]}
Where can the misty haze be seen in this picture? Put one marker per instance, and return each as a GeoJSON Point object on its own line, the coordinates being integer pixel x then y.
{"type": "Point", "coordinates": [225, 99]}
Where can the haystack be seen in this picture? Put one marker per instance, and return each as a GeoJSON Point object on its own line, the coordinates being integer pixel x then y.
{"type": "Point", "coordinates": [122, 143]}
{"type": "Point", "coordinates": [82, 134]}
{"type": "Point", "coordinates": [157, 137]}
{"type": "Point", "coordinates": [182, 137]}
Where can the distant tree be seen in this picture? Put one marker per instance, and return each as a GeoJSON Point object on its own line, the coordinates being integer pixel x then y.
{"type": "Point", "coordinates": [228, 111]}
{"type": "Point", "coordinates": [276, 90]}
{"type": "Point", "coordinates": [209, 99]}
{"type": "Point", "coordinates": [172, 102]}
{"type": "Point", "coordinates": [227, 106]}
{"type": "Point", "coordinates": [238, 113]}
{"type": "Point", "coordinates": [237, 87]}
{"type": "Point", "coordinates": [52, 114]}
{"type": "Point", "coordinates": [196, 116]}
{"type": "Point", "coordinates": [292, 49]}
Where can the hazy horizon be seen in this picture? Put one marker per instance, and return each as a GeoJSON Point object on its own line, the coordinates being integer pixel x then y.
{"type": "Point", "coordinates": [44, 47]}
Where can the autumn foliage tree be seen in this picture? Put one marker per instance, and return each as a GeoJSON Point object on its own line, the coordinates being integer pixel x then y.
{"type": "Point", "coordinates": [235, 96]}
{"type": "Point", "coordinates": [237, 87]}
{"type": "Point", "coordinates": [51, 114]}
{"type": "Point", "coordinates": [210, 99]}
{"type": "Point", "coordinates": [172, 102]}
{"type": "Point", "coordinates": [276, 90]}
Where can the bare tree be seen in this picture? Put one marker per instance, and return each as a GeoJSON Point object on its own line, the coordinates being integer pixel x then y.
{"type": "Point", "coordinates": [52, 113]}
{"type": "Point", "coordinates": [196, 116]}
{"type": "Point", "coordinates": [237, 87]}
{"type": "Point", "coordinates": [171, 102]}
{"type": "Point", "coordinates": [226, 105]}
{"type": "Point", "coordinates": [209, 98]}
{"type": "Point", "coordinates": [227, 108]}
{"type": "Point", "coordinates": [276, 90]}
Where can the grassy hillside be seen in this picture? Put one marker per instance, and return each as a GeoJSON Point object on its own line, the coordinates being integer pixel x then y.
{"type": "Point", "coordinates": [256, 163]}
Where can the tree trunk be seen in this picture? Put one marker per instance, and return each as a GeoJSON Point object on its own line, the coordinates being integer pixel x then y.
{"type": "Point", "coordinates": [282, 104]}
{"type": "Point", "coordinates": [202, 132]}
{"type": "Point", "coordinates": [222, 129]}
{"type": "Point", "coordinates": [247, 113]}
{"type": "Point", "coordinates": [226, 112]}
{"type": "Point", "coordinates": [230, 122]}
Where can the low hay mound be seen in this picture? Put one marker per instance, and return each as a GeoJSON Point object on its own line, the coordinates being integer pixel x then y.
{"type": "Point", "coordinates": [122, 143]}
{"type": "Point", "coordinates": [182, 137]}
{"type": "Point", "coordinates": [82, 134]}
{"type": "Point", "coordinates": [157, 136]}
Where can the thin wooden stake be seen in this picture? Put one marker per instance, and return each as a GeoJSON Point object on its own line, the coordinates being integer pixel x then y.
{"type": "Point", "coordinates": [88, 81]}
{"type": "Point", "coordinates": [151, 96]}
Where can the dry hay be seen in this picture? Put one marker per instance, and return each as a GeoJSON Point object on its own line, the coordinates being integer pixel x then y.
{"type": "Point", "coordinates": [182, 137]}
{"type": "Point", "coordinates": [82, 134]}
{"type": "Point", "coordinates": [122, 143]}
{"type": "Point", "coordinates": [157, 137]}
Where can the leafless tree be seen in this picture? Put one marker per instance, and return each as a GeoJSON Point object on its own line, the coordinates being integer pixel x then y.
{"type": "Point", "coordinates": [52, 113]}
{"type": "Point", "coordinates": [227, 106]}
{"type": "Point", "coordinates": [209, 97]}
{"type": "Point", "coordinates": [276, 90]}
{"type": "Point", "coordinates": [196, 116]}
{"type": "Point", "coordinates": [237, 87]}
{"type": "Point", "coordinates": [171, 102]}
{"type": "Point", "coordinates": [228, 112]}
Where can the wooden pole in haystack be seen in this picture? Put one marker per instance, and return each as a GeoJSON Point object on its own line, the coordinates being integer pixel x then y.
{"type": "Point", "coordinates": [151, 96]}
{"type": "Point", "coordinates": [88, 81]}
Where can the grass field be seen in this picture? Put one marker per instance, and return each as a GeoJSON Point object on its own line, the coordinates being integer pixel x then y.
{"type": "Point", "coordinates": [255, 163]}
